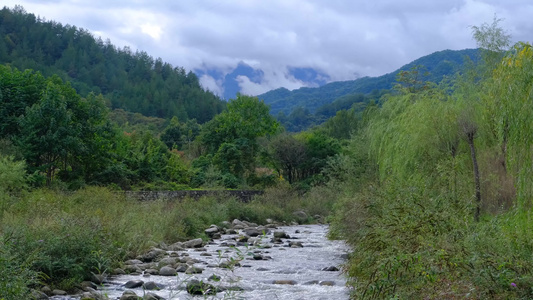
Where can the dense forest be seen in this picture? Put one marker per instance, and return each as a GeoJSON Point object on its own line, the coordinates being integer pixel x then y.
{"type": "Point", "coordinates": [429, 183]}
{"type": "Point", "coordinates": [133, 81]}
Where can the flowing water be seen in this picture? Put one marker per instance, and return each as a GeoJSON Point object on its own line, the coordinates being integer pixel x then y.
{"type": "Point", "coordinates": [285, 273]}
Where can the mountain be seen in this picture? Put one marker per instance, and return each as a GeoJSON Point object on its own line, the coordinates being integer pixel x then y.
{"type": "Point", "coordinates": [133, 81]}
{"type": "Point", "coordinates": [229, 82]}
{"type": "Point", "coordinates": [438, 64]}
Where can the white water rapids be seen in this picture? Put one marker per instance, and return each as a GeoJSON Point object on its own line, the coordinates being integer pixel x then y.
{"type": "Point", "coordinates": [289, 273]}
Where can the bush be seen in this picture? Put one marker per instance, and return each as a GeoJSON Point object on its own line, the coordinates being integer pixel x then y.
{"type": "Point", "coordinates": [16, 276]}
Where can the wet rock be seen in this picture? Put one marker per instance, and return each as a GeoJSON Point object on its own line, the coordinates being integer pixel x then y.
{"type": "Point", "coordinates": [59, 293]}
{"type": "Point", "coordinates": [252, 232]}
{"type": "Point", "coordinates": [152, 296]}
{"type": "Point", "coordinates": [289, 282]}
{"type": "Point", "coordinates": [295, 244]}
{"type": "Point", "coordinates": [330, 269]}
{"type": "Point", "coordinates": [300, 216]}
{"type": "Point", "coordinates": [212, 230]}
{"type": "Point", "coordinates": [194, 270]}
{"type": "Point", "coordinates": [182, 268]}
{"type": "Point", "coordinates": [312, 282]}
{"type": "Point", "coordinates": [281, 235]}
{"type": "Point", "coordinates": [86, 284]}
{"type": "Point", "coordinates": [195, 287]}
{"type": "Point", "coordinates": [97, 278]}
{"type": "Point", "coordinates": [119, 271]}
{"type": "Point", "coordinates": [167, 271]}
{"type": "Point", "coordinates": [133, 262]}
{"type": "Point", "coordinates": [132, 269]}
{"type": "Point", "coordinates": [262, 269]}
{"type": "Point", "coordinates": [151, 272]}
{"type": "Point", "coordinates": [258, 257]}
{"type": "Point", "coordinates": [133, 284]}
{"type": "Point", "coordinates": [214, 277]}
{"type": "Point", "coordinates": [38, 295]}
{"type": "Point", "coordinates": [167, 261]}
{"type": "Point", "coordinates": [129, 295]}
{"type": "Point", "coordinates": [327, 283]}
{"type": "Point", "coordinates": [152, 255]}
{"type": "Point", "coordinates": [151, 286]}
{"type": "Point", "coordinates": [47, 290]}
{"type": "Point", "coordinates": [249, 224]}
{"type": "Point", "coordinates": [196, 243]}
{"type": "Point", "coordinates": [176, 247]}
{"type": "Point", "coordinates": [237, 222]}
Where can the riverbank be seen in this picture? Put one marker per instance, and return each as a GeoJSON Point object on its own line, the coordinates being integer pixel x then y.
{"type": "Point", "coordinates": [60, 240]}
{"type": "Point", "coordinates": [243, 261]}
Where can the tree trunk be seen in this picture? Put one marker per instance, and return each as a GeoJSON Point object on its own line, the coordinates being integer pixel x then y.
{"type": "Point", "coordinates": [476, 177]}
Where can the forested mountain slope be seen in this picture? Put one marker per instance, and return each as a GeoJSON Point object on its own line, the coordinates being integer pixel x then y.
{"type": "Point", "coordinates": [133, 81]}
{"type": "Point", "coordinates": [438, 65]}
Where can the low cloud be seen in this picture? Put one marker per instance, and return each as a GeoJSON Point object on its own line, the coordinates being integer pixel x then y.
{"type": "Point", "coordinates": [342, 39]}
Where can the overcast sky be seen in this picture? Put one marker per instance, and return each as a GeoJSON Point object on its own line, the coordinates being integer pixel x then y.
{"type": "Point", "coordinates": [344, 39]}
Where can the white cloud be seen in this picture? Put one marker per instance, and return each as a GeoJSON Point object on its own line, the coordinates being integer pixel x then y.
{"type": "Point", "coordinates": [342, 38]}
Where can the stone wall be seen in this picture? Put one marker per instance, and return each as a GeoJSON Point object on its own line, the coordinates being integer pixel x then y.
{"type": "Point", "coordinates": [242, 195]}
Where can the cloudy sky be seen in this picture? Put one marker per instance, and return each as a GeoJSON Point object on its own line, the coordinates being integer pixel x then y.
{"type": "Point", "coordinates": [343, 39]}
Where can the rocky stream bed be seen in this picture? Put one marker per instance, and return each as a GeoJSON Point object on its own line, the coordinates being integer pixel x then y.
{"type": "Point", "coordinates": [242, 261]}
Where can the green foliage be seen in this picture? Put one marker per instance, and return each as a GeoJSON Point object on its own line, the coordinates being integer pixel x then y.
{"type": "Point", "coordinates": [12, 175]}
{"type": "Point", "coordinates": [440, 65]}
{"type": "Point", "coordinates": [407, 195]}
{"type": "Point", "coordinates": [231, 137]}
{"type": "Point", "coordinates": [133, 81]}
{"type": "Point", "coordinates": [15, 274]}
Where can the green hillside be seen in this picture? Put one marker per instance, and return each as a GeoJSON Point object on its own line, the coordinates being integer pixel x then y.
{"type": "Point", "coordinates": [438, 64]}
{"type": "Point", "coordinates": [133, 81]}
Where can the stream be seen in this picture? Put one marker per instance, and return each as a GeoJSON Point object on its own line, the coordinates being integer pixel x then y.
{"type": "Point", "coordinates": [304, 265]}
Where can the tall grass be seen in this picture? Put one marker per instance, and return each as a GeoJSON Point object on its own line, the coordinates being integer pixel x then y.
{"type": "Point", "coordinates": [66, 237]}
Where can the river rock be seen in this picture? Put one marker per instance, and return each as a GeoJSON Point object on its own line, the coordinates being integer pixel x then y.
{"type": "Point", "coordinates": [129, 295]}
{"type": "Point", "coordinates": [167, 261]}
{"type": "Point", "coordinates": [212, 230]}
{"type": "Point", "coordinates": [196, 243]}
{"type": "Point", "coordinates": [47, 290]}
{"type": "Point", "coordinates": [167, 271]}
{"type": "Point", "coordinates": [281, 235]}
{"type": "Point", "coordinates": [176, 247]}
{"type": "Point", "coordinates": [119, 271]}
{"type": "Point", "coordinates": [97, 278]}
{"type": "Point", "coordinates": [132, 269]}
{"type": "Point", "coordinates": [151, 285]}
{"type": "Point", "coordinates": [59, 293]}
{"type": "Point", "coordinates": [289, 282]}
{"type": "Point", "coordinates": [152, 255]}
{"type": "Point", "coordinates": [252, 232]}
{"type": "Point", "coordinates": [151, 272]}
{"type": "Point", "coordinates": [133, 262]}
{"type": "Point", "coordinates": [295, 244]}
{"type": "Point", "coordinates": [86, 284]}
{"type": "Point", "coordinates": [152, 296]}
{"type": "Point", "coordinates": [327, 283]}
{"type": "Point", "coordinates": [237, 222]}
{"type": "Point", "coordinates": [300, 215]}
{"type": "Point", "coordinates": [330, 269]}
{"type": "Point", "coordinates": [194, 270]}
{"type": "Point", "coordinates": [195, 287]}
{"type": "Point", "coordinates": [182, 267]}
{"type": "Point", "coordinates": [249, 224]}
{"type": "Point", "coordinates": [38, 295]}
{"type": "Point", "coordinates": [133, 284]}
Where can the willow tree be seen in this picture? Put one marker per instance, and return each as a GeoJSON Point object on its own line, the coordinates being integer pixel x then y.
{"type": "Point", "coordinates": [510, 98]}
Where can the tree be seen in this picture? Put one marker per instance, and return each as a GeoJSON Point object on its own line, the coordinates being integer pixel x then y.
{"type": "Point", "coordinates": [232, 135]}
{"type": "Point", "coordinates": [288, 154]}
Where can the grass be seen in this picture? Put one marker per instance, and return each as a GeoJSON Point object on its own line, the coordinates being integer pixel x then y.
{"type": "Point", "coordinates": [61, 238]}
{"type": "Point", "coordinates": [412, 242]}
